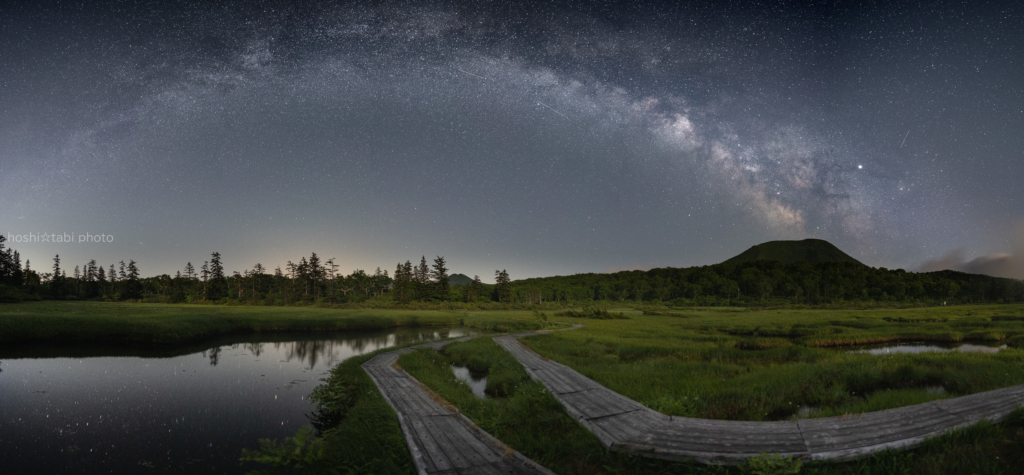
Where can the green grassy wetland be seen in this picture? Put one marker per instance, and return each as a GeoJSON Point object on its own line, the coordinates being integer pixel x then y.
{"type": "Point", "coordinates": [521, 413]}
{"type": "Point", "coordinates": [76, 321]}
{"type": "Point", "coordinates": [773, 365]}
{"type": "Point", "coordinates": [723, 363]}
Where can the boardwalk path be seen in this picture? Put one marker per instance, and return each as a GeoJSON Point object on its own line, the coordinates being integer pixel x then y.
{"type": "Point", "coordinates": [441, 440]}
{"type": "Point", "coordinates": [624, 424]}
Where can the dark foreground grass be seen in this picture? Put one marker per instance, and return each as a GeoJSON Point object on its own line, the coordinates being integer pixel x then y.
{"type": "Point", "coordinates": [525, 416]}
{"type": "Point", "coordinates": [767, 365]}
{"type": "Point", "coordinates": [172, 324]}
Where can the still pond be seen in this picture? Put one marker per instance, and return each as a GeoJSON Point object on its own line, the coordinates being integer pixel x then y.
{"type": "Point", "coordinates": [116, 409]}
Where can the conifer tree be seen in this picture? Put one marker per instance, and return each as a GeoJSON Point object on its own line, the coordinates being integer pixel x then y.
{"type": "Point", "coordinates": [315, 274]}
{"type": "Point", "coordinates": [421, 274]}
{"type": "Point", "coordinates": [503, 291]}
{"type": "Point", "coordinates": [217, 288]}
{"type": "Point", "coordinates": [474, 289]}
{"type": "Point", "coordinates": [5, 262]}
{"type": "Point", "coordinates": [92, 286]}
{"type": "Point", "coordinates": [216, 267]}
{"type": "Point", "coordinates": [112, 276]}
{"type": "Point", "coordinates": [205, 274]}
{"type": "Point", "coordinates": [132, 287]}
{"type": "Point", "coordinates": [440, 275]}
{"type": "Point", "coordinates": [57, 282]}
{"type": "Point", "coordinates": [400, 287]}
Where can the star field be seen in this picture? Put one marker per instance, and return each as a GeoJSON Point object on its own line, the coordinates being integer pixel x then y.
{"type": "Point", "coordinates": [541, 138]}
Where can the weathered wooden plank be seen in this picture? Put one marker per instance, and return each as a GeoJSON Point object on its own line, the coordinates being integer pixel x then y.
{"type": "Point", "coordinates": [561, 382]}
{"type": "Point", "coordinates": [516, 460]}
{"type": "Point", "coordinates": [990, 405]}
{"type": "Point", "coordinates": [459, 446]}
{"type": "Point", "coordinates": [525, 356]}
{"type": "Point", "coordinates": [404, 399]}
{"type": "Point", "coordinates": [624, 424]}
{"type": "Point", "coordinates": [431, 449]}
{"type": "Point", "coordinates": [842, 439]}
{"type": "Point", "coordinates": [629, 426]}
{"type": "Point", "coordinates": [440, 440]}
{"type": "Point", "coordinates": [711, 442]}
{"type": "Point", "coordinates": [732, 430]}
{"type": "Point", "coordinates": [603, 402]}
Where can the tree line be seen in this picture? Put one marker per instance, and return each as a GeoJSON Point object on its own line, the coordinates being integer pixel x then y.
{"type": "Point", "coordinates": [88, 281]}
{"type": "Point", "coordinates": [314, 280]}
{"type": "Point", "coordinates": [311, 280]}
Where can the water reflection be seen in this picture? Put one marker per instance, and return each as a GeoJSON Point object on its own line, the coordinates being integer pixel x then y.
{"type": "Point", "coordinates": [922, 347]}
{"type": "Point", "coordinates": [332, 351]}
{"type": "Point", "coordinates": [477, 382]}
{"type": "Point", "coordinates": [116, 409]}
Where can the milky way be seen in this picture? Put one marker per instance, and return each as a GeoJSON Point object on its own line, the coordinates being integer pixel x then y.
{"type": "Point", "coordinates": [545, 140]}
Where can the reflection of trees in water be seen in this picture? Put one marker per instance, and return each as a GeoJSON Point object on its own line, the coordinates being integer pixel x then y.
{"type": "Point", "coordinates": [213, 354]}
{"type": "Point", "coordinates": [255, 348]}
{"type": "Point", "coordinates": [310, 352]}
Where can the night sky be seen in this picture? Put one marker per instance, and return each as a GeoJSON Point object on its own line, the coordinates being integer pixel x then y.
{"type": "Point", "coordinates": [546, 139]}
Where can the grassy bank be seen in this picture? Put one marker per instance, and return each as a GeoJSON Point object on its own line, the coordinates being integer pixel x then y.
{"type": "Point", "coordinates": [521, 413]}
{"type": "Point", "coordinates": [354, 430]}
{"type": "Point", "coordinates": [773, 365]}
{"type": "Point", "coordinates": [172, 324]}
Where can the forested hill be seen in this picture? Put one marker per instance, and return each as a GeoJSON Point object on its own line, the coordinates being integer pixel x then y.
{"type": "Point", "coordinates": [835, 278]}
{"type": "Point", "coordinates": [814, 251]}
{"type": "Point", "coordinates": [459, 279]}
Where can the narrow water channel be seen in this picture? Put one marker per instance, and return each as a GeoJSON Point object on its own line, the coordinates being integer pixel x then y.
{"type": "Point", "coordinates": [115, 409]}
{"type": "Point", "coordinates": [925, 347]}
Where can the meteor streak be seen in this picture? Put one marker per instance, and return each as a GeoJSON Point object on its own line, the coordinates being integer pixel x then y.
{"type": "Point", "coordinates": [477, 75]}
{"type": "Point", "coordinates": [552, 108]}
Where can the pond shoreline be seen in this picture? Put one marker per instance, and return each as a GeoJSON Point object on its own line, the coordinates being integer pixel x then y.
{"type": "Point", "coordinates": [106, 410]}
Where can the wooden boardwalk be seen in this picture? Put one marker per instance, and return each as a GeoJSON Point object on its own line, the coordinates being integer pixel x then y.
{"type": "Point", "coordinates": [624, 424]}
{"type": "Point", "coordinates": [440, 439]}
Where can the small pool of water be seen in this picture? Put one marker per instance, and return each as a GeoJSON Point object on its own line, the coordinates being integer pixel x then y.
{"type": "Point", "coordinates": [922, 347]}
{"type": "Point", "coordinates": [144, 409]}
{"type": "Point", "coordinates": [478, 383]}
{"type": "Point", "coordinates": [805, 412]}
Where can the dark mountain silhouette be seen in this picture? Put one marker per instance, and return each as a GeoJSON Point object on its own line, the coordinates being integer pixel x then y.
{"type": "Point", "coordinates": [459, 279]}
{"type": "Point", "coordinates": [815, 251]}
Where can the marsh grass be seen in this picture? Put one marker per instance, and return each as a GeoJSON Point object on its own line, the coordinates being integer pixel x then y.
{"type": "Point", "coordinates": [172, 324]}
{"type": "Point", "coordinates": [765, 365]}
{"type": "Point", "coordinates": [592, 313]}
{"type": "Point", "coordinates": [530, 420]}
{"type": "Point", "coordinates": [522, 414]}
